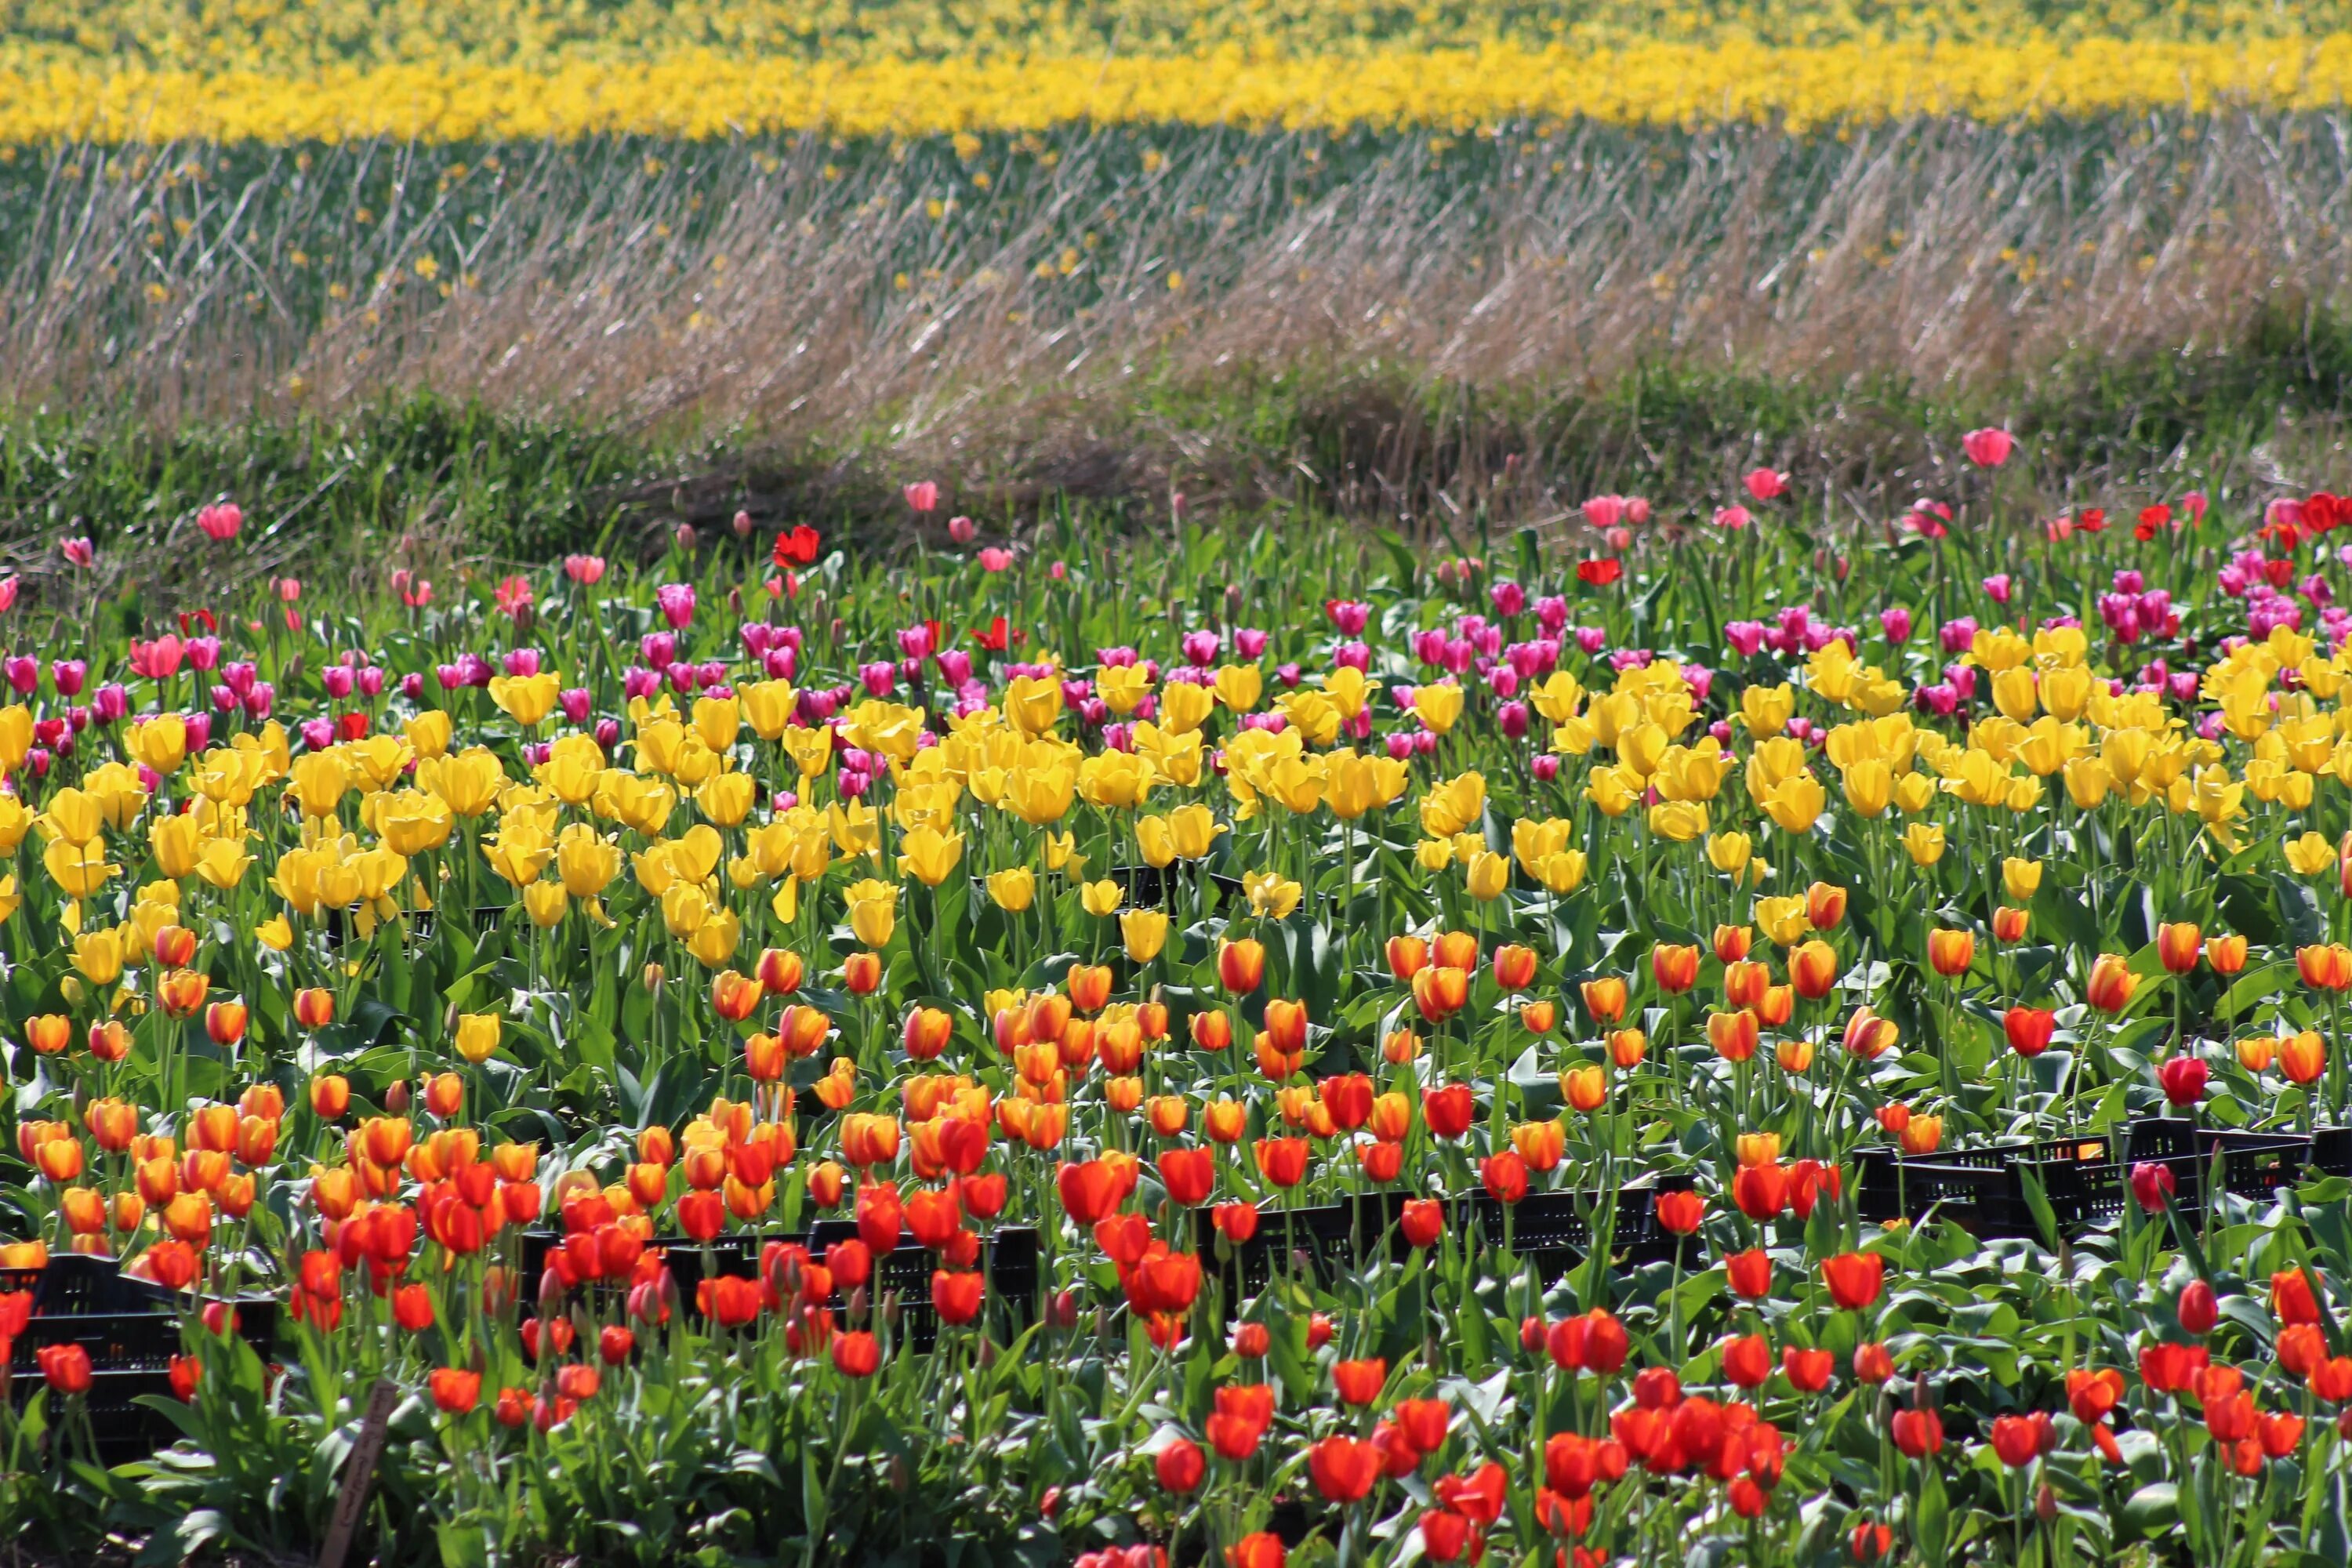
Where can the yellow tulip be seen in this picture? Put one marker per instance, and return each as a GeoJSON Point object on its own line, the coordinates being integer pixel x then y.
{"type": "Point", "coordinates": [428, 733]}
{"type": "Point", "coordinates": [1239, 687]}
{"type": "Point", "coordinates": [526, 699]}
{"type": "Point", "coordinates": [1486, 876]}
{"type": "Point", "coordinates": [544, 902]}
{"type": "Point", "coordinates": [161, 742]}
{"type": "Point", "coordinates": [1099, 899]}
{"type": "Point", "coordinates": [873, 911]}
{"type": "Point", "coordinates": [929, 855]}
{"type": "Point", "coordinates": [1013, 889]}
{"type": "Point", "coordinates": [2019, 879]}
{"type": "Point", "coordinates": [1924, 842]}
{"type": "Point", "coordinates": [1438, 706]}
{"type": "Point", "coordinates": [478, 1035]}
{"type": "Point", "coordinates": [100, 955]}
{"type": "Point", "coordinates": [1145, 933]}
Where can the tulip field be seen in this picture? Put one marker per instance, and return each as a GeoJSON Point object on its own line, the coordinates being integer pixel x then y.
{"type": "Point", "coordinates": [1676, 1035]}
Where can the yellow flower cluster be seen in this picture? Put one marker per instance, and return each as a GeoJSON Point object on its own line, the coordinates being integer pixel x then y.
{"type": "Point", "coordinates": [704, 94]}
{"type": "Point", "coordinates": [288, 36]}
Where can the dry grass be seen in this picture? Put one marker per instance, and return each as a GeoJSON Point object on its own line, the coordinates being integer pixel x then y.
{"type": "Point", "coordinates": [1441, 300]}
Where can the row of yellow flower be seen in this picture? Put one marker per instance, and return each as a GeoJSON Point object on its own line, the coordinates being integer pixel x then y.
{"type": "Point", "coordinates": [709, 94]}
{"type": "Point", "coordinates": [288, 36]}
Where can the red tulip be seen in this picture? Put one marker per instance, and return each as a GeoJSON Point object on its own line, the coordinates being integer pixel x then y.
{"type": "Point", "coordinates": [1344, 1470]}
{"type": "Point", "coordinates": [1854, 1279]}
{"type": "Point", "coordinates": [1180, 1466]}
{"type": "Point", "coordinates": [1918, 1433]}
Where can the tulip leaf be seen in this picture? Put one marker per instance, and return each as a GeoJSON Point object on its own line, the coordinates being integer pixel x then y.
{"type": "Point", "coordinates": [2151, 1511]}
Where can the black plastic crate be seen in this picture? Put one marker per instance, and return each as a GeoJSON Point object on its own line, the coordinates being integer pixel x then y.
{"type": "Point", "coordinates": [1982, 1190]}
{"type": "Point", "coordinates": [132, 1329]}
{"type": "Point", "coordinates": [1554, 1230]}
{"type": "Point", "coordinates": [2331, 1150]}
{"type": "Point", "coordinates": [1148, 887]}
{"type": "Point", "coordinates": [2247, 1165]}
{"type": "Point", "coordinates": [1334, 1239]}
{"type": "Point", "coordinates": [1010, 1258]}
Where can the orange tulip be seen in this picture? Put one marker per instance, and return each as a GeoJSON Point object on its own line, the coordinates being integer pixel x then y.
{"type": "Point", "coordinates": [181, 992]}
{"type": "Point", "coordinates": [1674, 967]}
{"type": "Point", "coordinates": [1868, 1036]}
{"type": "Point", "coordinates": [1604, 998]}
{"type": "Point", "coordinates": [1212, 1031]}
{"type": "Point", "coordinates": [780, 970]}
{"type": "Point", "coordinates": [1949, 952]}
{"type": "Point", "coordinates": [112, 1122]}
{"type": "Point", "coordinates": [1732, 943]}
{"type": "Point", "coordinates": [1539, 1143]}
{"type": "Point", "coordinates": [1585, 1088]}
{"type": "Point", "coordinates": [2112, 984]}
{"type": "Point", "coordinates": [927, 1033]}
{"type": "Point", "coordinates": [84, 1209]}
{"type": "Point", "coordinates": [110, 1041]}
{"type": "Point", "coordinates": [2178, 945]}
{"type": "Point", "coordinates": [861, 973]}
{"type": "Point", "coordinates": [1627, 1048]}
{"type": "Point", "coordinates": [1813, 969]}
{"type": "Point", "coordinates": [1049, 1017]}
{"type": "Point", "coordinates": [1407, 956]}
{"type": "Point", "coordinates": [49, 1033]}
{"type": "Point", "coordinates": [733, 996]}
{"type": "Point", "coordinates": [1286, 1022]}
{"type": "Point", "coordinates": [314, 1008]}
{"type": "Point", "coordinates": [1824, 906]}
{"type": "Point", "coordinates": [2330, 968]}
{"type": "Point", "coordinates": [1540, 1016]}
{"type": "Point", "coordinates": [59, 1159]}
{"type": "Point", "coordinates": [2303, 1057]}
{"type": "Point", "coordinates": [1090, 986]}
{"type": "Point", "coordinates": [1241, 966]}
{"type": "Point", "coordinates": [1732, 1034]}
{"type": "Point", "coordinates": [1773, 1009]}
{"type": "Point", "coordinates": [2227, 955]}
{"type": "Point", "coordinates": [330, 1096]}
{"type": "Point", "coordinates": [802, 1028]}
{"type": "Point", "coordinates": [225, 1022]}
{"type": "Point", "coordinates": [1225, 1121]}
{"type": "Point", "coordinates": [1515, 966]}
{"type": "Point", "coordinates": [1922, 1134]}
{"type": "Point", "coordinates": [175, 947]}
{"type": "Point", "coordinates": [212, 1127]}
{"type": "Point", "coordinates": [1456, 949]}
{"type": "Point", "coordinates": [1440, 992]}
{"type": "Point", "coordinates": [2009, 925]}
{"type": "Point", "coordinates": [1168, 1113]}
{"type": "Point", "coordinates": [1745, 980]}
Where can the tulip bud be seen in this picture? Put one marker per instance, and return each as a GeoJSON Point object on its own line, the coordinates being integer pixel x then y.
{"type": "Point", "coordinates": [2197, 1309]}
{"type": "Point", "coordinates": [395, 1097]}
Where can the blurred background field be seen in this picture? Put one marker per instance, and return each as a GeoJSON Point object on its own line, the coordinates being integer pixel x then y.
{"type": "Point", "coordinates": [1405, 263]}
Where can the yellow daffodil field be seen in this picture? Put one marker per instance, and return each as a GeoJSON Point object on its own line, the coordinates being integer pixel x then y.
{"type": "Point", "coordinates": [323, 72]}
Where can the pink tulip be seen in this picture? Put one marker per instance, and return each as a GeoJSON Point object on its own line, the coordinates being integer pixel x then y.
{"type": "Point", "coordinates": [1733, 517]}
{"type": "Point", "coordinates": [1605, 511]}
{"type": "Point", "coordinates": [220, 523]}
{"type": "Point", "coordinates": [923, 495]}
{"type": "Point", "coordinates": [962, 530]}
{"type": "Point", "coordinates": [1987, 447]}
{"type": "Point", "coordinates": [585, 570]}
{"type": "Point", "coordinates": [80, 552]}
{"type": "Point", "coordinates": [1764, 484]}
{"type": "Point", "coordinates": [995, 560]}
{"type": "Point", "coordinates": [7, 594]}
{"type": "Point", "coordinates": [1999, 587]}
{"type": "Point", "coordinates": [742, 525]}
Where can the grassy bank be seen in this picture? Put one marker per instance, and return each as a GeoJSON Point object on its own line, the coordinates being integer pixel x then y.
{"type": "Point", "coordinates": [442, 484]}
